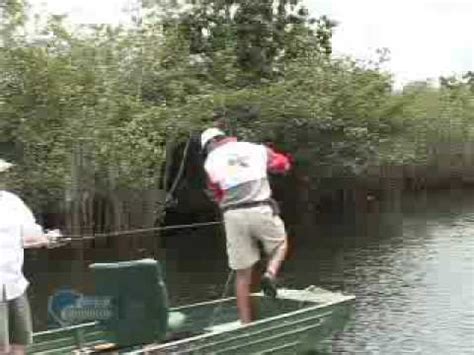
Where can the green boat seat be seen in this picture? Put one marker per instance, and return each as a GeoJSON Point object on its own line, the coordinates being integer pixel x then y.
{"type": "Point", "coordinates": [140, 302]}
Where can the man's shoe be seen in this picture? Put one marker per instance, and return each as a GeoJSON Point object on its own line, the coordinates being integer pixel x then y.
{"type": "Point", "coordinates": [268, 285]}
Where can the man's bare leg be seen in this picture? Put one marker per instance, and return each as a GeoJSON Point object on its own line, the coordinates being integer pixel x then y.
{"type": "Point", "coordinates": [276, 259]}
{"type": "Point", "coordinates": [4, 333]}
{"type": "Point", "coordinates": [268, 284]}
{"type": "Point", "coordinates": [243, 281]}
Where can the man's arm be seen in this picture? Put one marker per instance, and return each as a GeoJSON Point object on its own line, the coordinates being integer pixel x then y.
{"type": "Point", "coordinates": [35, 242]}
{"type": "Point", "coordinates": [277, 163]}
{"type": "Point", "coordinates": [31, 232]}
{"type": "Point", "coordinates": [51, 239]}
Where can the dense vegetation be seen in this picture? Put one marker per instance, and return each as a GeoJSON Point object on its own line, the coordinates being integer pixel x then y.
{"type": "Point", "coordinates": [96, 105]}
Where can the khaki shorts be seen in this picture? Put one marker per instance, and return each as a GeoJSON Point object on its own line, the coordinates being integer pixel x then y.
{"type": "Point", "coordinates": [246, 227]}
{"type": "Point", "coordinates": [15, 322]}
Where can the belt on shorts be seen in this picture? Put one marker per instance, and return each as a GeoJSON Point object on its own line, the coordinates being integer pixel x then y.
{"type": "Point", "coordinates": [269, 202]}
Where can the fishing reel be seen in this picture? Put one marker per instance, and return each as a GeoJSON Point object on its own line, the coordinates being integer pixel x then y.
{"type": "Point", "coordinates": [56, 238]}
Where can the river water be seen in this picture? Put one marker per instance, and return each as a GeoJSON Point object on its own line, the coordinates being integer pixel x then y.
{"type": "Point", "coordinates": [412, 274]}
{"type": "Point", "coordinates": [411, 269]}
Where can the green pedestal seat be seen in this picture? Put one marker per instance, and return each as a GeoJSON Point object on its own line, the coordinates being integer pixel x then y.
{"type": "Point", "coordinates": [140, 302]}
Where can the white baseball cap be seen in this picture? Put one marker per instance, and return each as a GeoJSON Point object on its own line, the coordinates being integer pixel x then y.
{"type": "Point", "coordinates": [209, 134]}
{"type": "Point", "coordinates": [4, 165]}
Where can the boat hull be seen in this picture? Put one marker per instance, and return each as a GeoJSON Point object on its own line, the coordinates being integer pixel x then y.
{"type": "Point", "coordinates": [297, 321]}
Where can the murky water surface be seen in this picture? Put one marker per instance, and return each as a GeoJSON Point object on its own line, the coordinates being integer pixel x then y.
{"type": "Point", "coordinates": [411, 270]}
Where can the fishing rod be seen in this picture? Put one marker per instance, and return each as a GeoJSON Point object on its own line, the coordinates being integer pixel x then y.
{"type": "Point", "coordinates": [140, 231]}
{"type": "Point", "coordinates": [59, 240]}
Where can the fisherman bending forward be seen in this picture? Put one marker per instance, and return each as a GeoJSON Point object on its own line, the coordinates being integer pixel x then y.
{"type": "Point", "coordinates": [237, 174]}
{"type": "Point", "coordinates": [18, 230]}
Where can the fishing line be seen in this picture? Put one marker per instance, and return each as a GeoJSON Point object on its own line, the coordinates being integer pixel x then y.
{"type": "Point", "coordinates": [218, 308]}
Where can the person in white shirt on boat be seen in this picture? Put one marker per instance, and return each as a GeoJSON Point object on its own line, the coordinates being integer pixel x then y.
{"type": "Point", "coordinates": [238, 175]}
{"type": "Point", "coordinates": [18, 230]}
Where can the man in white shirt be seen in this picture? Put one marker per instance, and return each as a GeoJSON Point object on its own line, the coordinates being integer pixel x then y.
{"type": "Point", "coordinates": [18, 230]}
{"type": "Point", "coordinates": [238, 175]}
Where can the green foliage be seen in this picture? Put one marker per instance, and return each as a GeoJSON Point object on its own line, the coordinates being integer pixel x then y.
{"type": "Point", "coordinates": [95, 107]}
{"type": "Point", "coordinates": [422, 116]}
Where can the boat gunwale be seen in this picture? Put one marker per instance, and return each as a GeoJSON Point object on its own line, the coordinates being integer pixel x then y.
{"type": "Point", "coordinates": [271, 328]}
{"type": "Point", "coordinates": [276, 336]}
{"type": "Point", "coordinates": [304, 295]}
{"type": "Point", "coordinates": [82, 326]}
{"type": "Point", "coordinates": [260, 294]}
